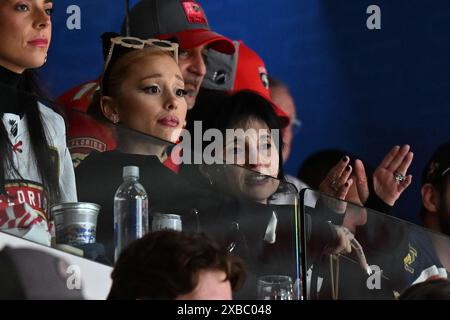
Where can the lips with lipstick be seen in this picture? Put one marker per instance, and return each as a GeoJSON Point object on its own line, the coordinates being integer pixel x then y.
{"type": "Point", "coordinates": [169, 121]}
{"type": "Point", "coordinates": [39, 42]}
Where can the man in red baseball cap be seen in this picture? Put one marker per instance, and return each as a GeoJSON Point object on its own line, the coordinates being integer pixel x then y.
{"type": "Point", "coordinates": [185, 22]}
{"type": "Point", "coordinates": [181, 21]}
{"type": "Point", "coordinates": [244, 70]}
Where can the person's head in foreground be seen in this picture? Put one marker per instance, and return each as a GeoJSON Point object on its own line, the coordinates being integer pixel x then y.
{"type": "Point", "coordinates": [174, 265]}
{"type": "Point", "coordinates": [438, 289]}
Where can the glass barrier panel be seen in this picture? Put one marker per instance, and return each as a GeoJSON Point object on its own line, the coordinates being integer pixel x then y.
{"type": "Point", "coordinates": [253, 216]}
{"type": "Point", "coordinates": [387, 256]}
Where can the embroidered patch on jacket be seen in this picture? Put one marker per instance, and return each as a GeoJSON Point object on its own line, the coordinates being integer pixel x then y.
{"type": "Point", "coordinates": [409, 259]}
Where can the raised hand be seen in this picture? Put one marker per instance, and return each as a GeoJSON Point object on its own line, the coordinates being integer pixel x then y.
{"type": "Point", "coordinates": [337, 183]}
{"type": "Point", "coordinates": [361, 181]}
{"type": "Point", "coordinates": [389, 178]}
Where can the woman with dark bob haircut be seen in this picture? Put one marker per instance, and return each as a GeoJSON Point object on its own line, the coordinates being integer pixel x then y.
{"type": "Point", "coordinates": [252, 150]}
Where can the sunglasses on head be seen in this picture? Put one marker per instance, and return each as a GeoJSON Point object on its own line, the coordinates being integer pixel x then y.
{"type": "Point", "coordinates": [132, 43]}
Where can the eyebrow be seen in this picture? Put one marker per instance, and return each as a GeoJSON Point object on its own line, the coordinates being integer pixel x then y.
{"type": "Point", "coordinates": [159, 75]}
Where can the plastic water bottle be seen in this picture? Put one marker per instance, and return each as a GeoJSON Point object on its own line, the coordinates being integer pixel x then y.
{"type": "Point", "coordinates": [130, 210]}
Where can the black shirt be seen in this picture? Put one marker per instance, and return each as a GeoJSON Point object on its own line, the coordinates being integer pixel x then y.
{"type": "Point", "coordinates": [10, 84]}
{"type": "Point", "coordinates": [100, 174]}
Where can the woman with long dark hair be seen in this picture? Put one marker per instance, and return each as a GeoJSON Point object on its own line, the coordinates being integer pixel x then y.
{"type": "Point", "coordinates": [36, 171]}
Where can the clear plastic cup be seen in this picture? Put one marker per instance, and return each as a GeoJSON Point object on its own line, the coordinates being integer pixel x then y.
{"type": "Point", "coordinates": [75, 222]}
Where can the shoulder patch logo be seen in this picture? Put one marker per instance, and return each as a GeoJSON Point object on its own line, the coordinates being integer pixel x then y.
{"type": "Point", "coordinates": [409, 259]}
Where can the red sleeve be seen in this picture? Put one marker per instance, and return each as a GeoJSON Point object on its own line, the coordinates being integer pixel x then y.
{"type": "Point", "coordinates": [79, 97]}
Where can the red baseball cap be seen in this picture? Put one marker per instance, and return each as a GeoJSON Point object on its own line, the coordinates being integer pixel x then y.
{"type": "Point", "coordinates": [183, 20]}
{"type": "Point", "coordinates": [244, 70]}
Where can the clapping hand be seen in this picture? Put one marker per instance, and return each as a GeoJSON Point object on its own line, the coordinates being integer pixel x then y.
{"type": "Point", "coordinates": [336, 184]}
{"type": "Point", "coordinates": [389, 178]}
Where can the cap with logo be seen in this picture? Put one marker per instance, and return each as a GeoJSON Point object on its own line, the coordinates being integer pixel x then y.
{"type": "Point", "coordinates": [183, 20]}
{"type": "Point", "coordinates": [438, 166]}
{"type": "Point", "coordinates": [244, 70]}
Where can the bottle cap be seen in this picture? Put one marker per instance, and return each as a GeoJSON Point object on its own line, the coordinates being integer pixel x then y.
{"type": "Point", "coordinates": [130, 171]}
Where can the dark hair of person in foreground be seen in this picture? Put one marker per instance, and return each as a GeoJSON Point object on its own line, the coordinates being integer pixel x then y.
{"type": "Point", "coordinates": [167, 264]}
{"type": "Point", "coordinates": [438, 289]}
